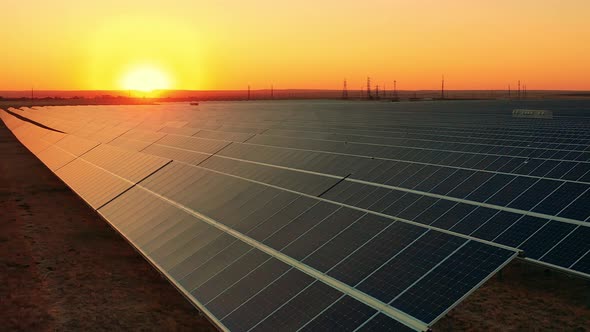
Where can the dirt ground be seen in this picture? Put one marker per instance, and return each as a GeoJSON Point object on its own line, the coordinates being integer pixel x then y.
{"type": "Point", "coordinates": [524, 297]}
{"type": "Point", "coordinates": [62, 268]}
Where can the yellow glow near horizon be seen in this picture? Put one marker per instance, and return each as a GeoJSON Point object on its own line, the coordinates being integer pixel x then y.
{"type": "Point", "coordinates": [88, 45]}
{"type": "Point", "coordinates": [145, 79]}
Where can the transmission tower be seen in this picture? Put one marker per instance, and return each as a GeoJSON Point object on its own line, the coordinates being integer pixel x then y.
{"type": "Point", "coordinates": [394, 89]}
{"type": "Point", "coordinates": [442, 88]}
{"type": "Point", "coordinates": [345, 91]}
{"type": "Point", "coordinates": [272, 91]}
{"type": "Point", "coordinates": [369, 88]}
{"type": "Point", "coordinates": [248, 91]}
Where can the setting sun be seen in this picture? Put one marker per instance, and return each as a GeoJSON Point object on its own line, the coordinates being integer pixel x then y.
{"type": "Point", "coordinates": [145, 79]}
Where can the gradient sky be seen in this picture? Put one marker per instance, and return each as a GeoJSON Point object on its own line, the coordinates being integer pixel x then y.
{"type": "Point", "coordinates": [228, 44]}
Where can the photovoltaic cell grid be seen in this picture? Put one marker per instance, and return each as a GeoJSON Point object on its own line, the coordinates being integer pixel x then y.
{"type": "Point", "coordinates": [400, 212]}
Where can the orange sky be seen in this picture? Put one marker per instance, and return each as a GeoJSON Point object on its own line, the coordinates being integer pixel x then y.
{"type": "Point", "coordinates": [228, 44]}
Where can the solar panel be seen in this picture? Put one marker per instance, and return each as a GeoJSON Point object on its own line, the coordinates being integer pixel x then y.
{"type": "Point", "coordinates": [277, 220]}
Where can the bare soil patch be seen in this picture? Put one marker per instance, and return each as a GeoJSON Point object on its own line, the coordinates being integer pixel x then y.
{"type": "Point", "coordinates": [524, 297]}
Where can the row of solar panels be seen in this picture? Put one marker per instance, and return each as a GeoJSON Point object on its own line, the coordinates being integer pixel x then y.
{"type": "Point", "coordinates": [256, 256]}
{"type": "Point", "coordinates": [544, 146]}
{"type": "Point", "coordinates": [559, 164]}
{"type": "Point", "coordinates": [546, 218]}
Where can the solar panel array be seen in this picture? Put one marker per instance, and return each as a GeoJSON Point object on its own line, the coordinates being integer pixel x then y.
{"type": "Point", "coordinates": [322, 215]}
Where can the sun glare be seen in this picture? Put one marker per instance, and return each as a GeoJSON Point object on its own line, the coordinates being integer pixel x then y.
{"type": "Point", "coordinates": [145, 79]}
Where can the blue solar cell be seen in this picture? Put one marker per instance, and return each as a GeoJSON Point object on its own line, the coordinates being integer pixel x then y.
{"type": "Point", "coordinates": [387, 200]}
{"type": "Point", "coordinates": [441, 158]}
{"type": "Point", "coordinates": [425, 172]}
{"type": "Point", "coordinates": [403, 270]}
{"type": "Point", "coordinates": [370, 173]}
{"type": "Point", "coordinates": [437, 177]}
{"type": "Point", "coordinates": [214, 265]}
{"type": "Point", "coordinates": [376, 252]}
{"type": "Point", "coordinates": [322, 232]}
{"type": "Point", "coordinates": [578, 209]}
{"type": "Point", "coordinates": [332, 252]}
{"type": "Point", "coordinates": [577, 171]}
{"type": "Point", "coordinates": [377, 194]}
{"type": "Point", "coordinates": [561, 154]}
{"type": "Point", "coordinates": [548, 236]}
{"type": "Point", "coordinates": [572, 155]}
{"type": "Point", "coordinates": [358, 192]}
{"type": "Point", "coordinates": [476, 159]}
{"type": "Point", "coordinates": [485, 161]}
{"type": "Point", "coordinates": [535, 194]}
{"type": "Point", "coordinates": [337, 193]}
{"type": "Point", "coordinates": [490, 187]}
{"type": "Point", "coordinates": [547, 154]}
{"type": "Point", "coordinates": [393, 169]}
{"type": "Point", "coordinates": [496, 225]}
{"type": "Point", "coordinates": [346, 314]}
{"type": "Point", "coordinates": [570, 249]}
{"type": "Point", "coordinates": [448, 282]}
{"type": "Point", "coordinates": [300, 225]}
{"type": "Point", "coordinates": [209, 289]}
{"type": "Point", "coordinates": [545, 168]}
{"type": "Point", "coordinates": [473, 148]}
{"type": "Point", "coordinates": [537, 153]}
{"type": "Point", "coordinates": [401, 204]}
{"type": "Point", "coordinates": [452, 181]}
{"type": "Point", "coordinates": [300, 309]}
{"type": "Point", "coordinates": [452, 216]}
{"type": "Point", "coordinates": [528, 166]}
{"type": "Point", "coordinates": [429, 215]}
{"type": "Point", "coordinates": [512, 190]}
{"type": "Point", "coordinates": [267, 301]}
{"type": "Point", "coordinates": [281, 218]}
{"type": "Point", "coordinates": [274, 206]}
{"type": "Point", "coordinates": [583, 265]}
{"type": "Point", "coordinates": [561, 198]}
{"type": "Point", "coordinates": [354, 191]}
{"type": "Point", "coordinates": [460, 159]}
{"type": "Point", "coordinates": [247, 287]}
{"type": "Point", "coordinates": [499, 163]}
{"type": "Point", "coordinates": [474, 220]}
{"type": "Point", "coordinates": [419, 207]}
{"type": "Point", "coordinates": [215, 246]}
{"type": "Point", "coordinates": [520, 231]}
{"type": "Point", "coordinates": [560, 170]}
{"type": "Point", "coordinates": [429, 156]}
{"type": "Point", "coordinates": [584, 157]}
{"type": "Point", "coordinates": [403, 175]}
{"type": "Point", "coordinates": [469, 185]}
{"type": "Point", "coordinates": [511, 165]}
{"type": "Point", "coordinates": [410, 154]}
{"type": "Point", "coordinates": [585, 177]}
